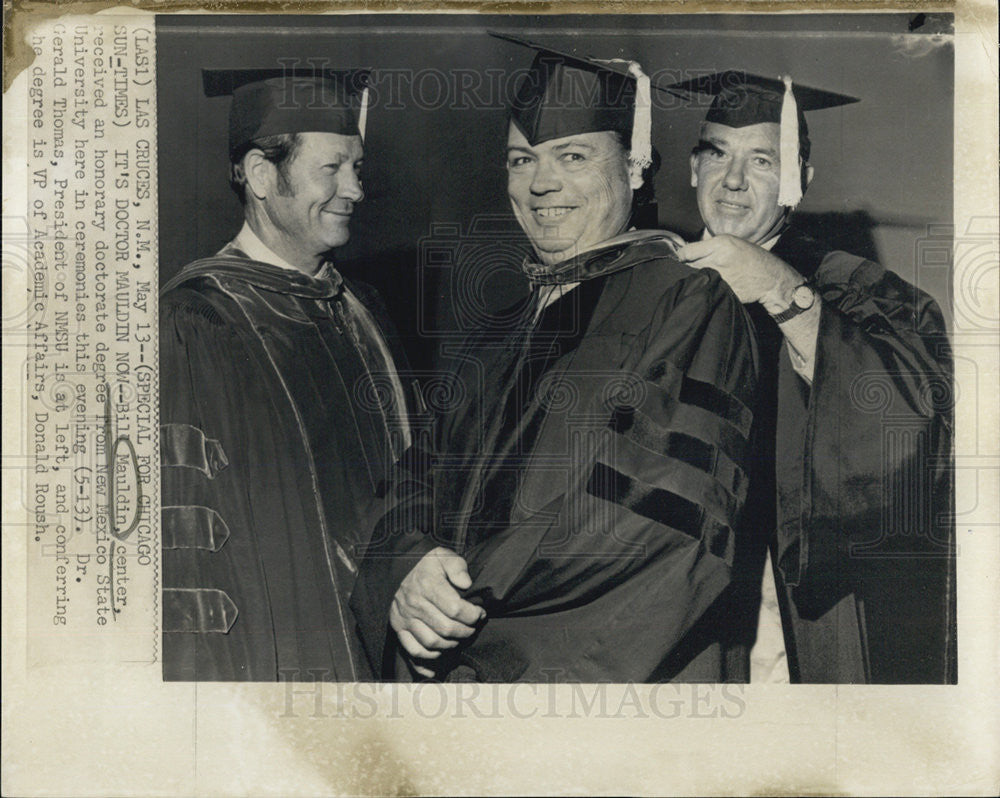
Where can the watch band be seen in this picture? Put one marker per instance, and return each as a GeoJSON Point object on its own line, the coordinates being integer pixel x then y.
{"type": "Point", "coordinates": [795, 309]}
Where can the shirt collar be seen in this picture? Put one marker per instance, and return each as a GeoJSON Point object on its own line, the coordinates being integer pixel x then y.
{"type": "Point", "coordinates": [603, 258]}
{"type": "Point", "coordinates": [248, 242]}
{"type": "Point", "coordinates": [257, 263]}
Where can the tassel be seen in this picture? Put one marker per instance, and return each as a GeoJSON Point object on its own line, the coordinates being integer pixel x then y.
{"type": "Point", "coordinates": [641, 146]}
{"type": "Point", "coordinates": [790, 185]}
{"type": "Point", "coordinates": [363, 113]}
{"type": "Point", "coordinates": [642, 122]}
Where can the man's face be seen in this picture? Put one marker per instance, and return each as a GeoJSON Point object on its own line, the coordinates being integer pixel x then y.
{"type": "Point", "coordinates": [309, 209]}
{"type": "Point", "coordinates": [568, 194]}
{"type": "Point", "coordinates": [736, 176]}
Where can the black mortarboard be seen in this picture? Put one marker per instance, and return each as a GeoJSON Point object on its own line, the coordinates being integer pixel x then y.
{"type": "Point", "coordinates": [742, 99]}
{"type": "Point", "coordinates": [268, 102]}
{"type": "Point", "coordinates": [565, 94]}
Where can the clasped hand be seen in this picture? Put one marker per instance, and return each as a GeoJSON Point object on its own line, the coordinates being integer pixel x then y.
{"type": "Point", "coordinates": [428, 614]}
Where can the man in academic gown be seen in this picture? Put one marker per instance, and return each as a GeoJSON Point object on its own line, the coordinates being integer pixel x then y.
{"type": "Point", "coordinates": [577, 519]}
{"type": "Point", "coordinates": [280, 407]}
{"type": "Point", "coordinates": [852, 489]}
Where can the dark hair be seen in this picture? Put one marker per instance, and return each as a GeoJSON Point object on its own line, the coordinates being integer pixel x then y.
{"type": "Point", "coordinates": [805, 145]}
{"type": "Point", "coordinates": [279, 150]}
{"type": "Point", "coordinates": [644, 210]}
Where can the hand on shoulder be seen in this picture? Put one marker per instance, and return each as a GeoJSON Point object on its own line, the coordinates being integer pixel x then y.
{"type": "Point", "coordinates": [753, 273]}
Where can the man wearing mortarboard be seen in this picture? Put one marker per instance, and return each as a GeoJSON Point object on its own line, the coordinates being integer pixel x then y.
{"type": "Point", "coordinates": [851, 488]}
{"type": "Point", "coordinates": [586, 491]}
{"type": "Point", "coordinates": [281, 408]}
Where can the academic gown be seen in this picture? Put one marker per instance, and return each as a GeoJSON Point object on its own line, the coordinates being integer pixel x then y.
{"type": "Point", "coordinates": [275, 452]}
{"type": "Point", "coordinates": [863, 478]}
{"type": "Point", "coordinates": [591, 472]}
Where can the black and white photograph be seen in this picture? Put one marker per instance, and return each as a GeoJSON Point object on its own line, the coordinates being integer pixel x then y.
{"type": "Point", "coordinates": [556, 349]}
{"type": "Point", "coordinates": [525, 399]}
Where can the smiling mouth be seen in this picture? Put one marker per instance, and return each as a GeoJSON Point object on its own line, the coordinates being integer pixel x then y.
{"type": "Point", "coordinates": [731, 206]}
{"type": "Point", "coordinates": [554, 212]}
{"type": "Point", "coordinates": [345, 214]}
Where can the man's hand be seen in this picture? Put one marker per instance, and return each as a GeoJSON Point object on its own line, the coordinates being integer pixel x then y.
{"type": "Point", "coordinates": [754, 274]}
{"type": "Point", "coordinates": [427, 612]}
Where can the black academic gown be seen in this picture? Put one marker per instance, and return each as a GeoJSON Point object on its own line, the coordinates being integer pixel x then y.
{"type": "Point", "coordinates": [864, 479]}
{"type": "Point", "coordinates": [591, 474]}
{"type": "Point", "coordinates": [274, 456]}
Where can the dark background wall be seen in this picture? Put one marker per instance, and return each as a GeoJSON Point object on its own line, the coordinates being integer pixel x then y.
{"type": "Point", "coordinates": [435, 234]}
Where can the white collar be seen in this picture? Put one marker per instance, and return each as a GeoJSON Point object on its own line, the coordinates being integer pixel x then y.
{"type": "Point", "coordinates": [248, 242]}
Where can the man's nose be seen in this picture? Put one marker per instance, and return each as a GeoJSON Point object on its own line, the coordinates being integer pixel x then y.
{"type": "Point", "coordinates": [545, 178]}
{"type": "Point", "coordinates": [349, 186]}
{"type": "Point", "coordinates": [736, 178]}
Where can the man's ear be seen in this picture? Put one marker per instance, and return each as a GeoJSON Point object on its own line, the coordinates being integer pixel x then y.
{"type": "Point", "coordinates": [694, 170]}
{"type": "Point", "coordinates": [635, 180]}
{"type": "Point", "coordinates": [807, 177]}
{"type": "Point", "coordinates": [259, 174]}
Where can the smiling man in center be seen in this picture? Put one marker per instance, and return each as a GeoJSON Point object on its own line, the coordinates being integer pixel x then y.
{"type": "Point", "coordinates": [569, 194]}
{"type": "Point", "coordinates": [577, 521]}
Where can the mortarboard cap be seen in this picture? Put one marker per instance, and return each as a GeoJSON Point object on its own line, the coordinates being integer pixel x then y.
{"type": "Point", "coordinates": [269, 102]}
{"type": "Point", "coordinates": [565, 94]}
{"type": "Point", "coordinates": [742, 99]}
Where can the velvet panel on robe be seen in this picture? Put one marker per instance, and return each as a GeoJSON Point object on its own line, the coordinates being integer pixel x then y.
{"type": "Point", "coordinates": [273, 468]}
{"type": "Point", "coordinates": [592, 478]}
{"type": "Point", "coordinates": [865, 539]}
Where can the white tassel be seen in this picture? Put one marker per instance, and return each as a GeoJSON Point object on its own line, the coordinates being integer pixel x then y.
{"type": "Point", "coordinates": [790, 185]}
{"type": "Point", "coordinates": [363, 113]}
{"type": "Point", "coordinates": [641, 146]}
{"type": "Point", "coordinates": [642, 122]}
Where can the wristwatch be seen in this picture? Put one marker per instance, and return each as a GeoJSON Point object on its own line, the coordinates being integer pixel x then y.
{"type": "Point", "coordinates": [803, 298]}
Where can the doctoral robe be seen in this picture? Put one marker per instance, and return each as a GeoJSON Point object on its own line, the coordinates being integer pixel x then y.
{"type": "Point", "coordinates": [276, 441]}
{"type": "Point", "coordinates": [590, 470]}
{"type": "Point", "coordinates": [863, 474]}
